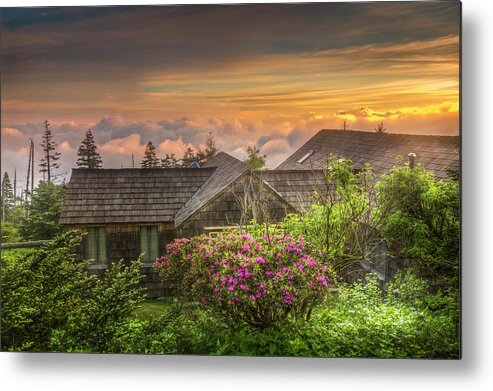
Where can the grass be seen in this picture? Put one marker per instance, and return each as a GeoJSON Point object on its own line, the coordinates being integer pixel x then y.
{"type": "Point", "coordinates": [152, 308]}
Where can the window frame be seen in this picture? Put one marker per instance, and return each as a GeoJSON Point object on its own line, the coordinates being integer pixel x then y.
{"type": "Point", "coordinates": [149, 250]}
{"type": "Point", "coordinates": [100, 249]}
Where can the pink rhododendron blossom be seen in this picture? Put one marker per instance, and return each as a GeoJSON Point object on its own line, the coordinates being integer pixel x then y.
{"type": "Point", "coordinates": [256, 279]}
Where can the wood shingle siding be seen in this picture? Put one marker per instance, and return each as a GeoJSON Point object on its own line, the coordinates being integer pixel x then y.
{"type": "Point", "coordinates": [297, 187]}
{"type": "Point", "coordinates": [225, 209]}
{"type": "Point", "coordinates": [227, 170]}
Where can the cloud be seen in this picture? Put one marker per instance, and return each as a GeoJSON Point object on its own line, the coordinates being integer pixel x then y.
{"type": "Point", "coordinates": [171, 147]}
{"type": "Point", "coordinates": [209, 61]}
{"type": "Point", "coordinates": [277, 137]}
{"type": "Point", "coordinates": [124, 146]}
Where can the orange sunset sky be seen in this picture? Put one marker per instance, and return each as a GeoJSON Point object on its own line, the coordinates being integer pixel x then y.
{"type": "Point", "coordinates": [267, 75]}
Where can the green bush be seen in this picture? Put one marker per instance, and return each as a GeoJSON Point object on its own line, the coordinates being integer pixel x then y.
{"type": "Point", "coordinates": [50, 303]}
{"type": "Point", "coordinates": [403, 323]}
{"type": "Point", "coordinates": [37, 290]}
{"type": "Point", "coordinates": [343, 222]}
{"type": "Point", "coordinates": [172, 332]}
{"type": "Point", "coordinates": [10, 234]}
{"type": "Point", "coordinates": [44, 213]}
{"type": "Point", "coordinates": [103, 315]}
{"type": "Point", "coordinates": [421, 220]}
{"type": "Point", "coordinates": [361, 322]}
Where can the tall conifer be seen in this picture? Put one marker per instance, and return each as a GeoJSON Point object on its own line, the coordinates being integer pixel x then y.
{"type": "Point", "coordinates": [88, 154]}
{"type": "Point", "coordinates": [150, 159]}
{"type": "Point", "coordinates": [50, 156]}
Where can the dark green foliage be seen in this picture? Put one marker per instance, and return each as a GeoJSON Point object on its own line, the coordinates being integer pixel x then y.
{"type": "Point", "coordinates": [421, 220]}
{"type": "Point", "coordinates": [44, 213]}
{"type": "Point", "coordinates": [38, 290]}
{"type": "Point", "coordinates": [88, 154]}
{"type": "Point", "coordinates": [50, 156]}
{"type": "Point", "coordinates": [102, 316]}
{"type": "Point", "coordinates": [150, 159]}
{"type": "Point", "coordinates": [50, 303]}
{"type": "Point", "coordinates": [255, 160]}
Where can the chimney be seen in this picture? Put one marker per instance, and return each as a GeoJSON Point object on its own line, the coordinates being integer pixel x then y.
{"type": "Point", "coordinates": [411, 157]}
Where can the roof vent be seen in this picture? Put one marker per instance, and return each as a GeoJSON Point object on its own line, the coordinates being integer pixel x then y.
{"type": "Point", "coordinates": [305, 156]}
{"type": "Point", "coordinates": [193, 165]}
{"type": "Point", "coordinates": [411, 157]}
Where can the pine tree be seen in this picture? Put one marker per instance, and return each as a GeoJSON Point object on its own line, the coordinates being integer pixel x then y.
{"type": "Point", "coordinates": [150, 159]}
{"type": "Point", "coordinates": [188, 158]}
{"type": "Point", "coordinates": [211, 149]}
{"type": "Point", "coordinates": [44, 214]}
{"type": "Point", "coordinates": [7, 196]}
{"type": "Point", "coordinates": [49, 161]}
{"type": "Point", "coordinates": [170, 161]}
{"type": "Point", "coordinates": [255, 160]}
{"type": "Point", "coordinates": [88, 154]}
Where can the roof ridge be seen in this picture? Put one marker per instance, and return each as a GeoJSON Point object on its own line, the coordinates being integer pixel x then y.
{"type": "Point", "coordinates": [381, 134]}
{"type": "Point", "coordinates": [220, 155]}
{"type": "Point", "coordinates": [222, 170]}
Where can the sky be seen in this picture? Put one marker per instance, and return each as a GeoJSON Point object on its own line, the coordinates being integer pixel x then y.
{"type": "Point", "coordinates": [269, 75]}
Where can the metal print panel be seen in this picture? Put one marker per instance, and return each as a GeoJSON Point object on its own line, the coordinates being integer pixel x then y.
{"type": "Point", "coordinates": [261, 180]}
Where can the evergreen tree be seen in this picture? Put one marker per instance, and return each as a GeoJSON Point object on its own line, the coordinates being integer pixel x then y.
{"type": "Point", "coordinates": [255, 160]}
{"type": "Point", "coordinates": [170, 161]}
{"type": "Point", "coordinates": [44, 213]}
{"type": "Point", "coordinates": [188, 158]}
{"type": "Point", "coordinates": [150, 159]}
{"type": "Point", "coordinates": [7, 196]}
{"type": "Point", "coordinates": [88, 154]}
{"type": "Point", "coordinates": [49, 161]}
{"type": "Point", "coordinates": [211, 149]}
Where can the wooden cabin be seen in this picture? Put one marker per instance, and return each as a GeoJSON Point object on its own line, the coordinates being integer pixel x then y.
{"type": "Point", "coordinates": [132, 213]}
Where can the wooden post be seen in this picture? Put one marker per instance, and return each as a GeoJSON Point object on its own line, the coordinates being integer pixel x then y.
{"type": "Point", "coordinates": [28, 173]}
{"type": "Point", "coordinates": [411, 157]}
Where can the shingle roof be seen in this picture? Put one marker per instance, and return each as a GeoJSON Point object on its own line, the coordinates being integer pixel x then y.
{"type": "Point", "coordinates": [98, 196]}
{"type": "Point", "coordinates": [227, 170]}
{"type": "Point", "coordinates": [297, 187]}
{"type": "Point", "coordinates": [382, 151]}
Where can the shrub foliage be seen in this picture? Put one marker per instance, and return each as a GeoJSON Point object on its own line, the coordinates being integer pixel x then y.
{"type": "Point", "coordinates": [243, 279]}
{"type": "Point", "coordinates": [50, 303]}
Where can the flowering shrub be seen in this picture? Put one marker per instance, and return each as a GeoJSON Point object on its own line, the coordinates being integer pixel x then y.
{"type": "Point", "coordinates": [259, 281]}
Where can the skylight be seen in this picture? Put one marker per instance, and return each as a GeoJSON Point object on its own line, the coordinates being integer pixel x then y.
{"type": "Point", "coordinates": [305, 156]}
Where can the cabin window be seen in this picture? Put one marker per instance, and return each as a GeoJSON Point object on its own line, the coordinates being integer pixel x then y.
{"type": "Point", "coordinates": [149, 242]}
{"type": "Point", "coordinates": [96, 244]}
